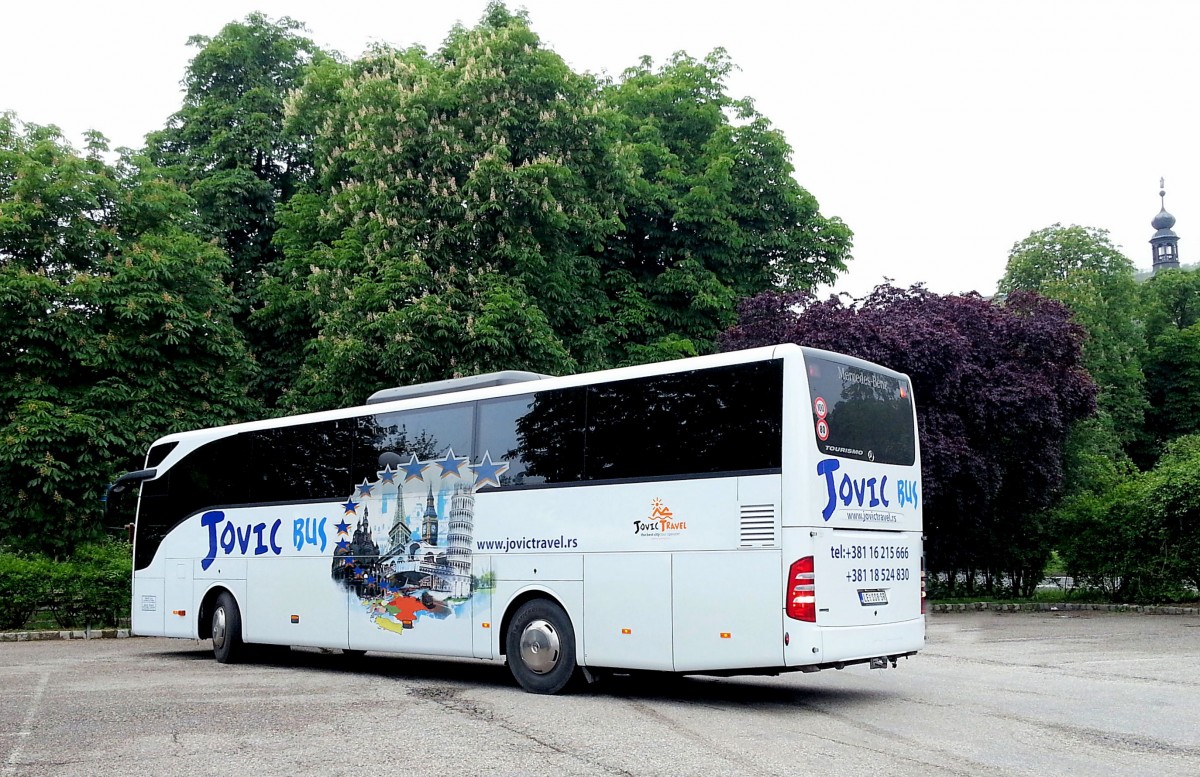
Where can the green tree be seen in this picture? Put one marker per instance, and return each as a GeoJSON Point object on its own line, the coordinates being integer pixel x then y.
{"type": "Point", "coordinates": [462, 186]}
{"type": "Point", "coordinates": [1173, 379]}
{"type": "Point", "coordinates": [115, 328]}
{"type": "Point", "coordinates": [1139, 540]}
{"type": "Point", "coordinates": [617, 222]}
{"type": "Point", "coordinates": [714, 215]}
{"type": "Point", "coordinates": [1170, 301]}
{"type": "Point", "coordinates": [1176, 499]}
{"type": "Point", "coordinates": [227, 142]}
{"type": "Point", "coordinates": [241, 153]}
{"type": "Point", "coordinates": [1080, 267]}
{"type": "Point", "coordinates": [1171, 312]}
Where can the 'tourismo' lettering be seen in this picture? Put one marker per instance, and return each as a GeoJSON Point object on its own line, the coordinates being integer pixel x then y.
{"type": "Point", "coordinates": [863, 492]}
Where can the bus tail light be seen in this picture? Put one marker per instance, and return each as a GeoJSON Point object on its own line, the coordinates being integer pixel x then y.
{"type": "Point", "coordinates": [802, 591]}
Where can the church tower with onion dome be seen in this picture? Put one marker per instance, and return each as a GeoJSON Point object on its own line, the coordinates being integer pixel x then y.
{"type": "Point", "coordinates": [1165, 243]}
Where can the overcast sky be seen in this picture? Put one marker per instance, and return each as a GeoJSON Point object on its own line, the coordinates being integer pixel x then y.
{"type": "Point", "coordinates": [941, 132]}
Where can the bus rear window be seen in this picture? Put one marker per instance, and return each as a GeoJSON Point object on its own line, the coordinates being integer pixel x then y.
{"type": "Point", "coordinates": [861, 414]}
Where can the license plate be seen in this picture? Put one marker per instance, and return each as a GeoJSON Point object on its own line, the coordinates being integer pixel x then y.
{"type": "Point", "coordinates": [868, 598]}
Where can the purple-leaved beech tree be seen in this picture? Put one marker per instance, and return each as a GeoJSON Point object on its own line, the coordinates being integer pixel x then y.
{"type": "Point", "coordinates": [997, 386]}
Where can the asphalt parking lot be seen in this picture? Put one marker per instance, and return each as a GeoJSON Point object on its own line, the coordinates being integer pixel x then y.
{"type": "Point", "coordinates": [993, 694]}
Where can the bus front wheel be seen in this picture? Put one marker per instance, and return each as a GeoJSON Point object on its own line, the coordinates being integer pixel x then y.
{"type": "Point", "coordinates": [227, 630]}
{"type": "Point", "coordinates": [540, 647]}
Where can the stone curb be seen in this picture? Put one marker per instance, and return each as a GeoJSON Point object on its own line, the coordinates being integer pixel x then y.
{"type": "Point", "coordinates": [41, 636]}
{"type": "Point", "coordinates": [1150, 609]}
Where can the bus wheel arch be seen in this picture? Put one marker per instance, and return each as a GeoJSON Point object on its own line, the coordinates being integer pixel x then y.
{"type": "Point", "coordinates": [538, 641]}
{"type": "Point", "coordinates": [205, 613]}
{"type": "Point", "coordinates": [221, 621]}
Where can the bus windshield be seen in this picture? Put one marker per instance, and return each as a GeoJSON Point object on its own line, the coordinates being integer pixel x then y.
{"type": "Point", "coordinates": [861, 414]}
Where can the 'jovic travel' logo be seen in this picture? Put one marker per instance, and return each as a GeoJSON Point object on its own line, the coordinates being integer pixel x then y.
{"type": "Point", "coordinates": [660, 523]}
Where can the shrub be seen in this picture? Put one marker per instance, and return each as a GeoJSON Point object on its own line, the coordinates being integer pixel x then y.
{"type": "Point", "coordinates": [105, 575]}
{"type": "Point", "coordinates": [92, 588]}
{"type": "Point", "coordinates": [23, 581]}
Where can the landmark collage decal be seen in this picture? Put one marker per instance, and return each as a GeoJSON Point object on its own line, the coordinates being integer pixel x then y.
{"type": "Point", "coordinates": [403, 544]}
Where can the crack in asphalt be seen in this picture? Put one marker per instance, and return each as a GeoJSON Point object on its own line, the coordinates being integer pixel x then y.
{"type": "Point", "coordinates": [451, 699]}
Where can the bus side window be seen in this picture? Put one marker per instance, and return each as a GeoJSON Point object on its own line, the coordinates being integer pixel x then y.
{"type": "Point", "coordinates": [543, 431]}
{"type": "Point", "coordinates": [306, 461]}
{"type": "Point", "coordinates": [391, 439]}
{"type": "Point", "coordinates": [538, 436]}
{"type": "Point", "coordinates": [700, 422]}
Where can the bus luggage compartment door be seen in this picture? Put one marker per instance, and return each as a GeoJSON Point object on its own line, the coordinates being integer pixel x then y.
{"type": "Point", "coordinates": [725, 610]}
{"type": "Point", "coordinates": [179, 617]}
{"type": "Point", "coordinates": [627, 601]}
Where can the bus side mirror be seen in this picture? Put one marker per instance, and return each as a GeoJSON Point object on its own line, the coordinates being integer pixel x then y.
{"type": "Point", "coordinates": [128, 479]}
{"type": "Point", "coordinates": [131, 477]}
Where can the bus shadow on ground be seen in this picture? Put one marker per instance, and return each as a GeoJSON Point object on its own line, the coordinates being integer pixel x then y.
{"type": "Point", "coordinates": [739, 690]}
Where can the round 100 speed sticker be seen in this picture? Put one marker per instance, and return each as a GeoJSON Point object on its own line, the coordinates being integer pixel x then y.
{"type": "Point", "coordinates": [820, 407]}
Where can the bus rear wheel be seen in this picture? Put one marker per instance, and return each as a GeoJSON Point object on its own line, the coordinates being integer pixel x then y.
{"type": "Point", "coordinates": [227, 630]}
{"type": "Point", "coordinates": [540, 647]}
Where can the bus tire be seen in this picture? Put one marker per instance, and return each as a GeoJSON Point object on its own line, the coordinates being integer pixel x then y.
{"type": "Point", "coordinates": [540, 647]}
{"type": "Point", "coordinates": [228, 647]}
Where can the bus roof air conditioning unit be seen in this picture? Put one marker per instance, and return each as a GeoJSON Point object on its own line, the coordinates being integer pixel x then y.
{"type": "Point", "coordinates": [501, 378]}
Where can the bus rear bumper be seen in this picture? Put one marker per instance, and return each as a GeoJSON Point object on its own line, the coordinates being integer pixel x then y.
{"type": "Point", "coordinates": [837, 646]}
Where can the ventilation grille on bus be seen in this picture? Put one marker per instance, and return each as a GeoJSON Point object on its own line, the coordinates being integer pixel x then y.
{"type": "Point", "coordinates": [758, 526]}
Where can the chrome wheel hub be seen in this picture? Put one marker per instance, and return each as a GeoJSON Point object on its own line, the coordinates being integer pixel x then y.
{"type": "Point", "coordinates": [218, 628]}
{"type": "Point", "coordinates": [539, 646]}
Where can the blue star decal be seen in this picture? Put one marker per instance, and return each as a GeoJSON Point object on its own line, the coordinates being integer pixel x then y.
{"type": "Point", "coordinates": [387, 475]}
{"type": "Point", "coordinates": [343, 545]}
{"type": "Point", "coordinates": [343, 528]}
{"type": "Point", "coordinates": [451, 463]}
{"type": "Point", "coordinates": [487, 472]}
{"type": "Point", "coordinates": [350, 506]}
{"type": "Point", "coordinates": [365, 489]}
{"type": "Point", "coordinates": [413, 469]}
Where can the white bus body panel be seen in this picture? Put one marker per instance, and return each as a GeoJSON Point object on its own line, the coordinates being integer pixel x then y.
{"type": "Point", "coordinates": [146, 615]}
{"type": "Point", "coordinates": [867, 577]}
{"type": "Point", "coordinates": [696, 514]}
{"type": "Point", "coordinates": [485, 621]}
{"type": "Point", "coordinates": [847, 627]}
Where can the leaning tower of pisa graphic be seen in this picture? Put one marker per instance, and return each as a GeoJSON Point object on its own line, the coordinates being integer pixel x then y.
{"type": "Point", "coordinates": [459, 536]}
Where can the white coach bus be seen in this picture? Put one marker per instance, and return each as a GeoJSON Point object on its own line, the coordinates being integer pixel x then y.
{"type": "Point", "coordinates": [752, 512]}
